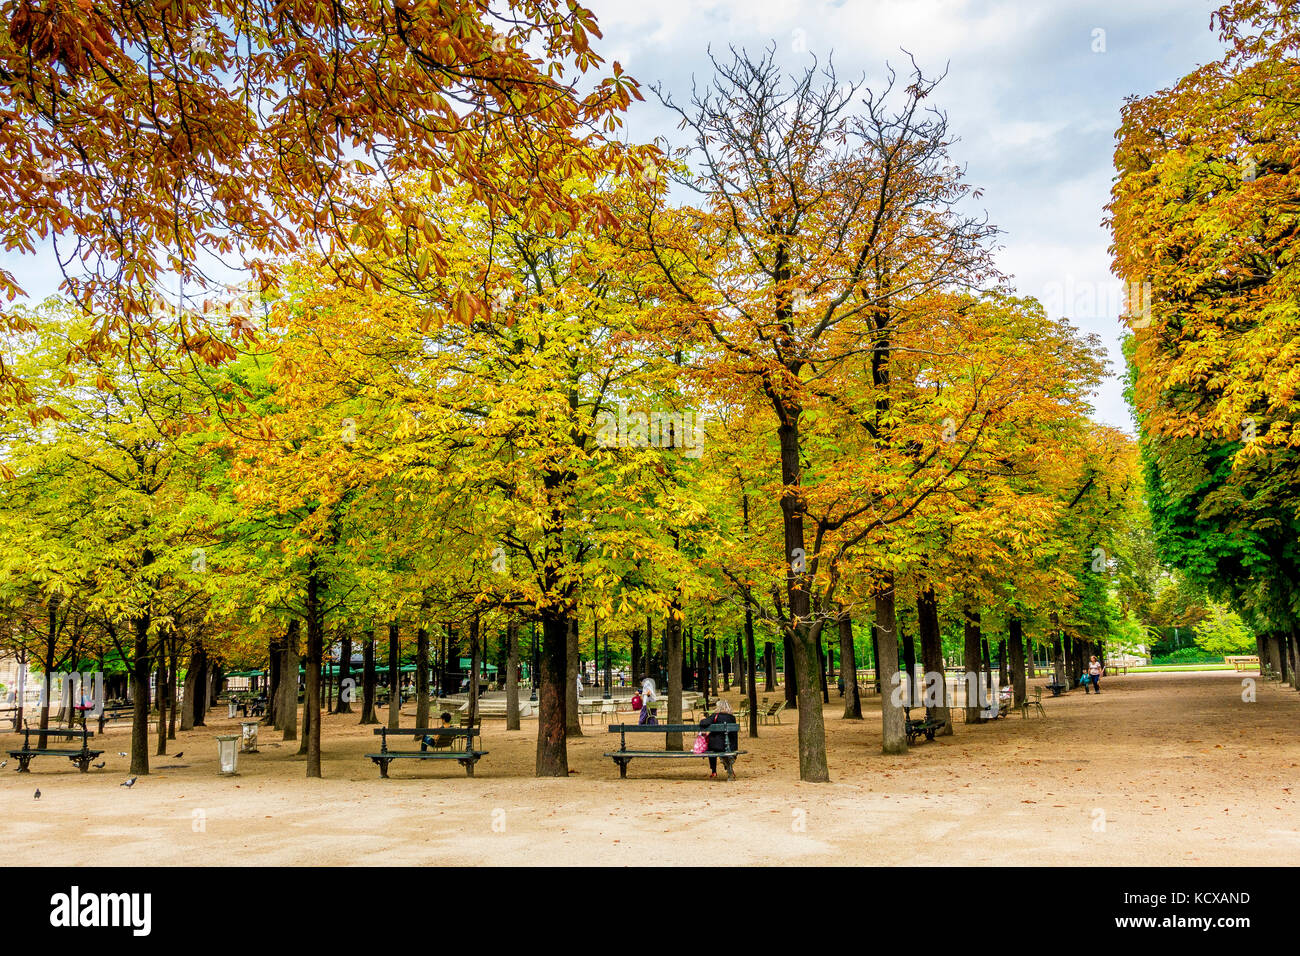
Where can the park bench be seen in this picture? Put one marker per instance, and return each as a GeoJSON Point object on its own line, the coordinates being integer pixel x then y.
{"type": "Point", "coordinates": [122, 713]}
{"type": "Point", "coordinates": [922, 727]}
{"type": "Point", "coordinates": [623, 756]}
{"type": "Point", "coordinates": [1241, 662]}
{"type": "Point", "coordinates": [466, 756]}
{"type": "Point", "coordinates": [81, 756]}
{"type": "Point", "coordinates": [250, 705]}
{"type": "Point", "coordinates": [114, 713]}
{"type": "Point", "coordinates": [1056, 687]}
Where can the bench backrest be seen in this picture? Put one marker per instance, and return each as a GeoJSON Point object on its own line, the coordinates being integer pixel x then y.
{"type": "Point", "coordinates": [429, 731]}
{"type": "Point", "coordinates": [673, 729]}
{"type": "Point", "coordinates": [29, 732]}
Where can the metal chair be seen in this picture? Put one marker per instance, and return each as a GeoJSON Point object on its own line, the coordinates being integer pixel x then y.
{"type": "Point", "coordinates": [1036, 702]}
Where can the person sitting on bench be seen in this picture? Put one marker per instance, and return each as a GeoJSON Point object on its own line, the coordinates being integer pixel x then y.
{"type": "Point", "coordinates": [648, 697]}
{"type": "Point", "coordinates": [437, 739]}
{"type": "Point", "coordinates": [720, 741]}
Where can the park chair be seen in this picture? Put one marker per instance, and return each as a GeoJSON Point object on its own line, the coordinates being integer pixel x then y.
{"type": "Point", "coordinates": [773, 713]}
{"type": "Point", "coordinates": [744, 708]}
{"type": "Point", "coordinates": [1036, 702]}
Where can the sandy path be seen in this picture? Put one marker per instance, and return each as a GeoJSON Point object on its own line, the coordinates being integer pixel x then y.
{"type": "Point", "coordinates": [1181, 768]}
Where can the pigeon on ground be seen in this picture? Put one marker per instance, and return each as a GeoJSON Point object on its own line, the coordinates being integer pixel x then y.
{"type": "Point", "coordinates": [179, 755]}
{"type": "Point", "coordinates": [101, 765]}
{"type": "Point", "coordinates": [128, 782]}
{"type": "Point", "coordinates": [38, 793]}
{"type": "Point", "coordinates": [121, 754]}
{"type": "Point", "coordinates": [3, 764]}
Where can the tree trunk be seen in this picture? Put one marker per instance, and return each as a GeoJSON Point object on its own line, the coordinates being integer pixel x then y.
{"type": "Point", "coordinates": [572, 663]}
{"type": "Point", "coordinates": [161, 693]}
{"type": "Point", "coordinates": [171, 689]}
{"type": "Point", "coordinates": [289, 683]}
{"type": "Point", "coordinates": [635, 668]}
{"type": "Point", "coordinates": [1058, 658]}
{"type": "Point", "coordinates": [648, 662]}
{"type": "Point", "coordinates": [315, 654]}
{"type": "Point", "coordinates": [369, 679]}
{"type": "Point", "coordinates": [787, 673]}
{"type": "Point", "coordinates": [422, 674]}
{"type": "Point", "coordinates": [849, 669]}
{"type": "Point", "coordinates": [934, 681]}
{"type": "Point", "coordinates": [893, 728]}
{"type": "Point", "coordinates": [1275, 655]}
{"type": "Point", "coordinates": [394, 675]}
{"type": "Point", "coordinates": [974, 677]}
{"type": "Point", "coordinates": [712, 648]}
{"type": "Point", "coordinates": [512, 674]}
{"type": "Point", "coordinates": [1292, 639]}
{"type": "Point", "coordinates": [347, 683]}
{"type": "Point", "coordinates": [552, 696]}
{"type": "Point", "coordinates": [140, 698]}
{"type": "Point", "coordinates": [909, 659]}
{"type": "Point", "coordinates": [823, 666]}
{"type": "Point", "coordinates": [474, 657]}
{"type": "Point", "coordinates": [199, 660]}
{"type": "Point", "coordinates": [187, 705]}
{"type": "Point", "coordinates": [769, 667]}
{"type": "Point", "coordinates": [1017, 649]}
{"type": "Point", "coordinates": [51, 642]}
{"type": "Point", "coordinates": [673, 653]}
{"type": "Point", "coordinates": [751, 679]}
{"type": "Point", "coordinates": [275, 659]}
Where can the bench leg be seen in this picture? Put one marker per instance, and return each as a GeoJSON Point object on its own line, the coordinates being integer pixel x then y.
{"type": "Point", "coordinates": [622, 766]}
{"type": "Point", "coordinates": [383, 767]}
{"type": "Point", "coordinates": [83, 763]}
{"type": "Point", "coordinates": [468, 764]}
{"type": "Point", "coordinates": [23, 761]}
{"type": "Point", "coordinates": [729, 763]}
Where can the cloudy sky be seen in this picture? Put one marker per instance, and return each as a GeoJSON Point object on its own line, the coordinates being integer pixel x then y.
{"type": "Point", "coordinates": [1034, 90]}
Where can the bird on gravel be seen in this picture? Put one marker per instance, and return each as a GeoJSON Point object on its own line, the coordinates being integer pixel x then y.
{"type": "Point", "coordinates": [121, 754]}
{"type": "Point", "coordinates": [179, 755]}
{"type": "Point", "coordinates": [38, 793]}
{"type": "Point", "coordinates": [101, 765]}
{"type": "Point", "coordinates": [128, 782]}
{"type": "Point", "coordinates": [3, 764]}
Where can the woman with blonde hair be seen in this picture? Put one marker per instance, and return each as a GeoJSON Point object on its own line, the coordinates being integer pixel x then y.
{"type": "Point", "coordinates": [720, 741]}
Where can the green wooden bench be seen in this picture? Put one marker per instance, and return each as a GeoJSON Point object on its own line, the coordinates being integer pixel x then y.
{"type": "Point", "coordinates": [81, 757]}
{"type": "Point", "coordinates": [467, 756]}
{"type": "Point", "coordinates": [918, 728]}
{"type": "Point", "coordinates": [623, 756]}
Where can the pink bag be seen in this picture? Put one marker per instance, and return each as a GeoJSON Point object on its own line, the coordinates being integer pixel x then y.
{"type": "Point", "coordinates": [701, 743]}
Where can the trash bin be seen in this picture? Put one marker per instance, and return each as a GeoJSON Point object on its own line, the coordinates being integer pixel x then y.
{"type": "Point", "coordinates": [248, 742]}
{"type": "Point", "coordinates": [228, 754]}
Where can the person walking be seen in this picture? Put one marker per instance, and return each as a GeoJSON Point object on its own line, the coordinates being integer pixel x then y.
{"type": "Point", "coordinates": [1094, 674]}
